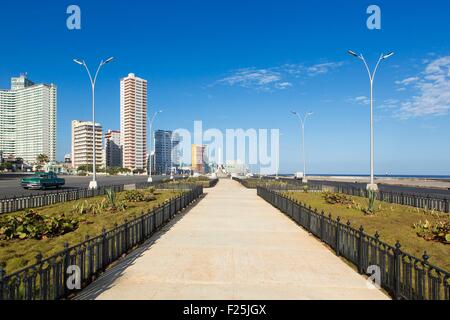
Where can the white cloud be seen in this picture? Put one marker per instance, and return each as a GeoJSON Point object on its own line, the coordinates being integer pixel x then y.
{"type": "Point", "coordinates": [323, 68]}
{"type": "Point", "coordinates": [433, 92]}
{"type": "Point", "coordinates": [408, 81]}
{"type": "Point", "coordinates": [283, 85]}
{"type": "Point", "coordinates": [361, 100]}
{"type": "Point", "coordinates": [262, 79]}
{"type": "Point", "coordinates": [280, 77]}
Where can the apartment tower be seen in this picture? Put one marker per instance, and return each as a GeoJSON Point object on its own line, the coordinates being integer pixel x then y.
{"type": "Point", "coordinates": [82, 147]}
{"type": "Point", "coordinates": [133, 122]}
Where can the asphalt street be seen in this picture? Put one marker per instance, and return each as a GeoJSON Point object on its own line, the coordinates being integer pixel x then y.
{"type": "Point", "coordinates": [10, 183]}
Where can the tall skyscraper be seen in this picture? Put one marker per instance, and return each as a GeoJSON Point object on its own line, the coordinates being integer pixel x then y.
{"type": "Point", "coordinates": [28, 120]}
{"type": "Point", "coordinates": [113, 149]}
{"type": "Point", "coordinates": [166, 144]}
{"type": "Point", "coordinates": [82, 143]}
{"type": "Point", "coordinates": [133, 122]}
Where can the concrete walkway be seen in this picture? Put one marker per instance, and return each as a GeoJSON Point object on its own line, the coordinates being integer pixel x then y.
{"type": "Point", "coordinates": [232, 245]}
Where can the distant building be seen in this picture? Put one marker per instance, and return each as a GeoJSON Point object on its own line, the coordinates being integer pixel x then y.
{"type": "Point", "coordinates": [68, 158]}
{"type": "Point", "coordinates": [166, 144]}
{"type": "Point", "coordinates": [133, 122]}
{"type": "Point", "coordinates": [28, 120]}
{"type": "Point", "coordinates": [198, 154]}
{"type": "Point", "coordinates": [113, 149]}
{"type": "Point", "coordinates": [82, 143]}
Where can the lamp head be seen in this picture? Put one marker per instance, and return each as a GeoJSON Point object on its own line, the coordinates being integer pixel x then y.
{"type": "Point", "coordinates": [353, 53]}
{"type": "Point", "coordinates": [387, 56]}
{"type": "Point", "coordinates": [78, 62]}
{"type": "Point", "coordinates": [294, 113]}
{"type": "Point", "coordinates": [108, 60]}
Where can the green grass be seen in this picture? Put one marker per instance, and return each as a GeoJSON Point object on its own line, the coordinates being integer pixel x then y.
{"type": "Point", "coordinates": [393, 222]}
{"type": "Point", "coordinates": [17, 254]}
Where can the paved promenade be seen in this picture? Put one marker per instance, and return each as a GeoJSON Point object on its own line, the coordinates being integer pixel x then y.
{"type": "Point", "coordinates": [232, 245]}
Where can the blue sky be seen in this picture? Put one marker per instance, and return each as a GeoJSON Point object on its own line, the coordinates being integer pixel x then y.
{"type": "Point", "coordinates": [236, 64]}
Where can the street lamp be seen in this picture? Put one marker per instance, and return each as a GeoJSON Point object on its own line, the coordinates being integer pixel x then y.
{"type": "Point", "coordinates": [93, 184]}
{"type": "Point", "coordinates": [302, 124]}
{"type": "Point", "coordinates": [371, 186]}
{"type": "Point", "coordinates": [150, 180]}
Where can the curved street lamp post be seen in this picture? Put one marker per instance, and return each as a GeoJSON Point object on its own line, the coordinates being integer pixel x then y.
{"type": "Point", "coordinates": [302, 124]}
{"type": "Point", "coordinates": [372, 185]}
{"type": "Point", "coordinates": [150, 179]}
{"type": "Point", "coordinates": [93, 184]}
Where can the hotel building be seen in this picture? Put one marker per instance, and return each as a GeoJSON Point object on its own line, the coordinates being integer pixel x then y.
{"type": "Point", "coordinates": [133, 122]}
{"type": "Point", "coordinates": [28, 120]}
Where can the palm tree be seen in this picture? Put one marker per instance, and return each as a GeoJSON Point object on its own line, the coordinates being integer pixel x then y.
{"type": "Point", "coordinates": [42, 159]}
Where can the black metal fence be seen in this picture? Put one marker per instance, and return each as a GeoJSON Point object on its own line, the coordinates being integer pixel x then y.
{"type": "Point", "coordinates": [48, 279]}
{"type": "Point", "coordinates": [428, 202]}
{"type": "Point", "coordinates": [23, 202]}
{"type": "Point", "coordinates": [402, 275]}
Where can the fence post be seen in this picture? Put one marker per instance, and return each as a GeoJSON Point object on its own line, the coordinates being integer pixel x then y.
{"type": "Point", "coordinates": [338, 231]}
{"type": "Point", "coordinates": [2, 276]}
{"type": "Point", "coordinates": [397, 266]}
{"type": "Point", "coordinates": [104, 249]}
{"type": "Point", "coordinates": [126, 235]}
{"type": "Point", "coordinates": [360, 250]}
{"type": "Point", "coordinates": [322, 224]}
{"type": "Point", "coordinates": [66, 263]}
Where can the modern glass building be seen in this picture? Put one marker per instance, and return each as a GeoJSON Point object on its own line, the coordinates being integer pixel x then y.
{"type": "Point", "coordinates": [166, 145]}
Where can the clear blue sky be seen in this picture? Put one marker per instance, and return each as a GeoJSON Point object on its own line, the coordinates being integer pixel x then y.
{"type": "Point", "coordinates": [246, 64]}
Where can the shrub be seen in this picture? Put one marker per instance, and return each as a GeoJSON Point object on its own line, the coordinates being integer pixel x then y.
{"type": "Point", "coordinates": [32, 225]}
{"type": "Point", "coordinates": [439, 231]}
{"type": "Point", "coordinates": [337, 198]}
{"type": "Point", "coordinates": [372, 196]}
{"type": "Point", "coordinates": [111, 197]}
{"type": "Point", "coordinates": [134, 196]}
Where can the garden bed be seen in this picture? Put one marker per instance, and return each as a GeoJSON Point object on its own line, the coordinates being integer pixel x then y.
{"type": "Point", "coordinates": [393, 222]}
{"type": "Point", "coordinates": [93, 215]}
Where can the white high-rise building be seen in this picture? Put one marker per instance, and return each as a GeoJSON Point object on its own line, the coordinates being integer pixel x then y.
{"type": "Point", "coordinates": [28, 120]}
{"type": "Point", "coordinates": [133, 122]}
{"type": "Point", "coordinates": [82, 147]}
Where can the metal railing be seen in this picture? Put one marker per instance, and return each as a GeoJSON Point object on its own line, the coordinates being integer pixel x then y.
{"type": "Point", "coordinates": [428, 202]}
{"type": "Point", "coordinates": [48, 278]}
{"type": "Point", "coordinates": [23, 202]}
{"type": "Point", "coordinates": [401, 275]}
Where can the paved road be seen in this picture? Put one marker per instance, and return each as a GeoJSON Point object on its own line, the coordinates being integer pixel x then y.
{"type": "Point", "coordinates": [232, 245]}
{"type": "Point", "coordinates": [10, 183]}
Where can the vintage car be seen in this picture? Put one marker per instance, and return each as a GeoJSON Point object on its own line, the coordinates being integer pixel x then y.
{"type": "Point", "coordinates": [42, 180]}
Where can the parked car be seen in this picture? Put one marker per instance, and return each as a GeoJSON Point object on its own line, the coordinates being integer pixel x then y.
{"type": "Point", "coordinates": [42, 180]}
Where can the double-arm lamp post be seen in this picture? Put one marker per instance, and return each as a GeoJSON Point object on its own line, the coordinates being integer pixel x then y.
{"type": "Point", "coordinates": [93, 184]}
{"type": "Point", "coordinates": [150, 179]}
{"type": "Point", "coordinates": [302, 124]}
{"type": "Point", "coordinates": [371, 186]}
